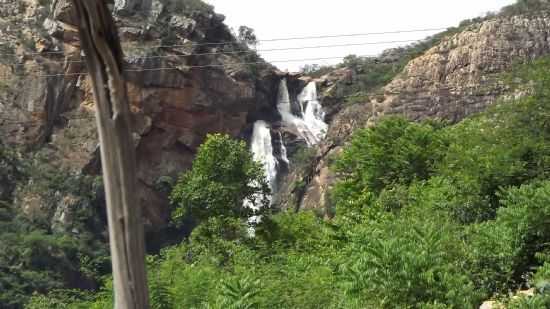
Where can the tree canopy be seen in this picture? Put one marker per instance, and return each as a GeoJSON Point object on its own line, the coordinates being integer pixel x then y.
{"type": "Point", "coordinates": [223, 176]}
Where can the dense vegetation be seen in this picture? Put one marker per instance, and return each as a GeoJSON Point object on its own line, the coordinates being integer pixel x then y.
{"type": "Point", "coordinates": [223, 175]}
{"type": "Point", "coordinates": [427, 216]}
{"type": "Point", "coordinates": [525, 7]}
{"type": "Point", "coordinates": [55, 247]}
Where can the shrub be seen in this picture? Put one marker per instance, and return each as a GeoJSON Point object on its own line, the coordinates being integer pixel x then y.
{"type": "Point", "coordinates": [303, 157]}
{"type": "Point", "coordinates": [238, 293]}
{"type": "Point", "coordinates": [504, 249]}
{"type": "Point", "coordinates": [247, 36]}
{"type": "Point", "coordinates": [12, 170]}
{"type": "Point", "coordinates": [461, 197]}
{"type": "Point", "coordinates": [525, 7]}
{"type": "Point", "coordinates": [409, 261]}
{"type": "Point", "coordinates": [223, 176]}
{"type": "Point", "coordinates": [35, 257]}
{"type": "Point", "coordinates": [395, 151]}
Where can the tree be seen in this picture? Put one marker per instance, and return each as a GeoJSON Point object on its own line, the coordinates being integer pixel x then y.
{"type": "Point", "coordinates": [525, 7]}
{"type": "Point", "coordinates": [12, 170]}
{"type": "Point", "coordinates": [247, 36]}
{"type": "Point", "coordinates": [353, 62]}
{"type": "Point", "coordinates": [396, 151]}
{"type": "Point", "coordinates": [223, 176]}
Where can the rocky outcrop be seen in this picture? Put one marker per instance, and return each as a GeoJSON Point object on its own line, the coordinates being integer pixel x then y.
{"type": "Point", "coordinates": [307, 185]}
{"type": "Point", "coordinates": [310, 179]}
{"type": "Point", "coordinates": [179, 89]}
{"type": "Point", "coordinates": [132, 6]}
{"type": "Point", "coordinates": [458, 77]}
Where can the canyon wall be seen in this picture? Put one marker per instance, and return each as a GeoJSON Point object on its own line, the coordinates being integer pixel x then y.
{"type": "Point", "coordinates": [180, 88]}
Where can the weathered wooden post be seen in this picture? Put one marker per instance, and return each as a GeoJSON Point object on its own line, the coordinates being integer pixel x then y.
{"type": "Point", "coordinates": [104, 58]}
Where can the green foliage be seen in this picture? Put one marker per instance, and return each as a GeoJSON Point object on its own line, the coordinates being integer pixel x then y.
{"type": "Point", "coordinates": [357, 98]}
{"type": "Point", "coordinates": [12, 170]}
{"type": "Point", "coordinates": [541, 283]}
{"type": "Point", "coordinates": [303, 157]}
{"type": "Point", "coordinates": [481, 184]}
{"type": "Point", "coordinates": [59, 299]}
{"type": "Point", "coordinates": [238, 293]}
{"type": "Point", "coordinates": [34, 260]}
{"type": "Point", "coordinates": [541, 279]}
{"type": "Point", "coordinates": [372, 73]}
{"type": "Point", "coordinates": [504, 249]}
{"type": "Point", "coordinates": [160, 294]}
{"type": "Point", "coordinates": [412, 259]}
{"type": "Point", "coordinates": [428, 216]}
{"type": "Point", "coordinates": [224, 175]}
{"type": "Point", "coordinates": [38, 255]}
{"type": "Point", "coordinates": [522, 221]}
{"type": "Point", "coordinates": [395, 151]}
{"type": "Point", "coordinates": [247, 36]}
{"type": "Point", "coordinates": [301, 232]}
{"type": "Point", "coordinates": [526, 7]}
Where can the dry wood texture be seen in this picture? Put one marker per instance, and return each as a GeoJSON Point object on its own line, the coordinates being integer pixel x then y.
{"type": "Point", "coordinates": [101, 45]}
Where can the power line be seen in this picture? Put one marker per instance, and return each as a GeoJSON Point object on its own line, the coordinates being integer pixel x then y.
{"type": "Point", "coordinates": [259, 41]}
{"type": "Point", "coordinates": [249, 51]}
{"type": "Point", "coordinates": [201, 66]}
{"type": "Point", "coordinates": [308, 37]}
{"type": "Point", "coordinates": [204, 66]}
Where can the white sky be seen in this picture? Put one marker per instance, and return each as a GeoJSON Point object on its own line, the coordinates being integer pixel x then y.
{"type": "Point", "coordinates": [297, 18]}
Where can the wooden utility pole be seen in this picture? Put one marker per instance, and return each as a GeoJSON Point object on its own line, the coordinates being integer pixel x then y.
{"type": "Point", "coordinates": [104, 58]}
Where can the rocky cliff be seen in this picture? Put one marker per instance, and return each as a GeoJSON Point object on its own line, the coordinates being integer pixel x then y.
{"type": "Point", "coordinates": [460, 76]}
{"type": "Point", "coordinates": [180, 88]}
{"type": "Point", "coordinates": [457, 77]}
{"type": "Point", "coordinates": [187, 77]}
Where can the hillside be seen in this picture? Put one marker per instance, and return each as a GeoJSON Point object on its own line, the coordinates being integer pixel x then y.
{"type": "Point", "coordinates": [425, 234]}
{"type": "Point", "coordinates": [49, 104]}
{"type": "Point", "coordinates": [415, 179]}
{"type": "Point", "coordinates": [459, 76]}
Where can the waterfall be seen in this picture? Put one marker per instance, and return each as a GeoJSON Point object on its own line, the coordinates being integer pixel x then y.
{"type": "Point", "coordinates": [284, 155]}
{"type": "Point", "coordinates": [283, 102]}
{"type": "Point", "coordinates": [311, 127]}
{"type": "Point", "coordinates": [261, 147]}
{"type": "Point", "coordinates": [262, 150]}
{"type": "Point", "coordinates": [314, 115]}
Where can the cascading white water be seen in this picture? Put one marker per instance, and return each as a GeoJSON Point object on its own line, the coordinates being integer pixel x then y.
{"type": "Point", "coordinates": [284, 155]}
{"type": "Point", "coordinates": [312, 127]}
{"type": "Point", "coordinates": [262, 150]}
{"type": "Point", "coordinates": [314, 115]}
{"type": "Point", "coordinates": [283, 101]}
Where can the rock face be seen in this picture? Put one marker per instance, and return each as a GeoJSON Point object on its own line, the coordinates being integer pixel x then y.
{"type": "Point", "coordinates": [454, 79]}
{"type": "Point", "coordinates": [177, 97]}
{"type": "Point", "coordinates": [181, 89]}
{"type": "Point", "coordinates": [130, 6]}
{"type": "Point", "coordinates": [459, 76]}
